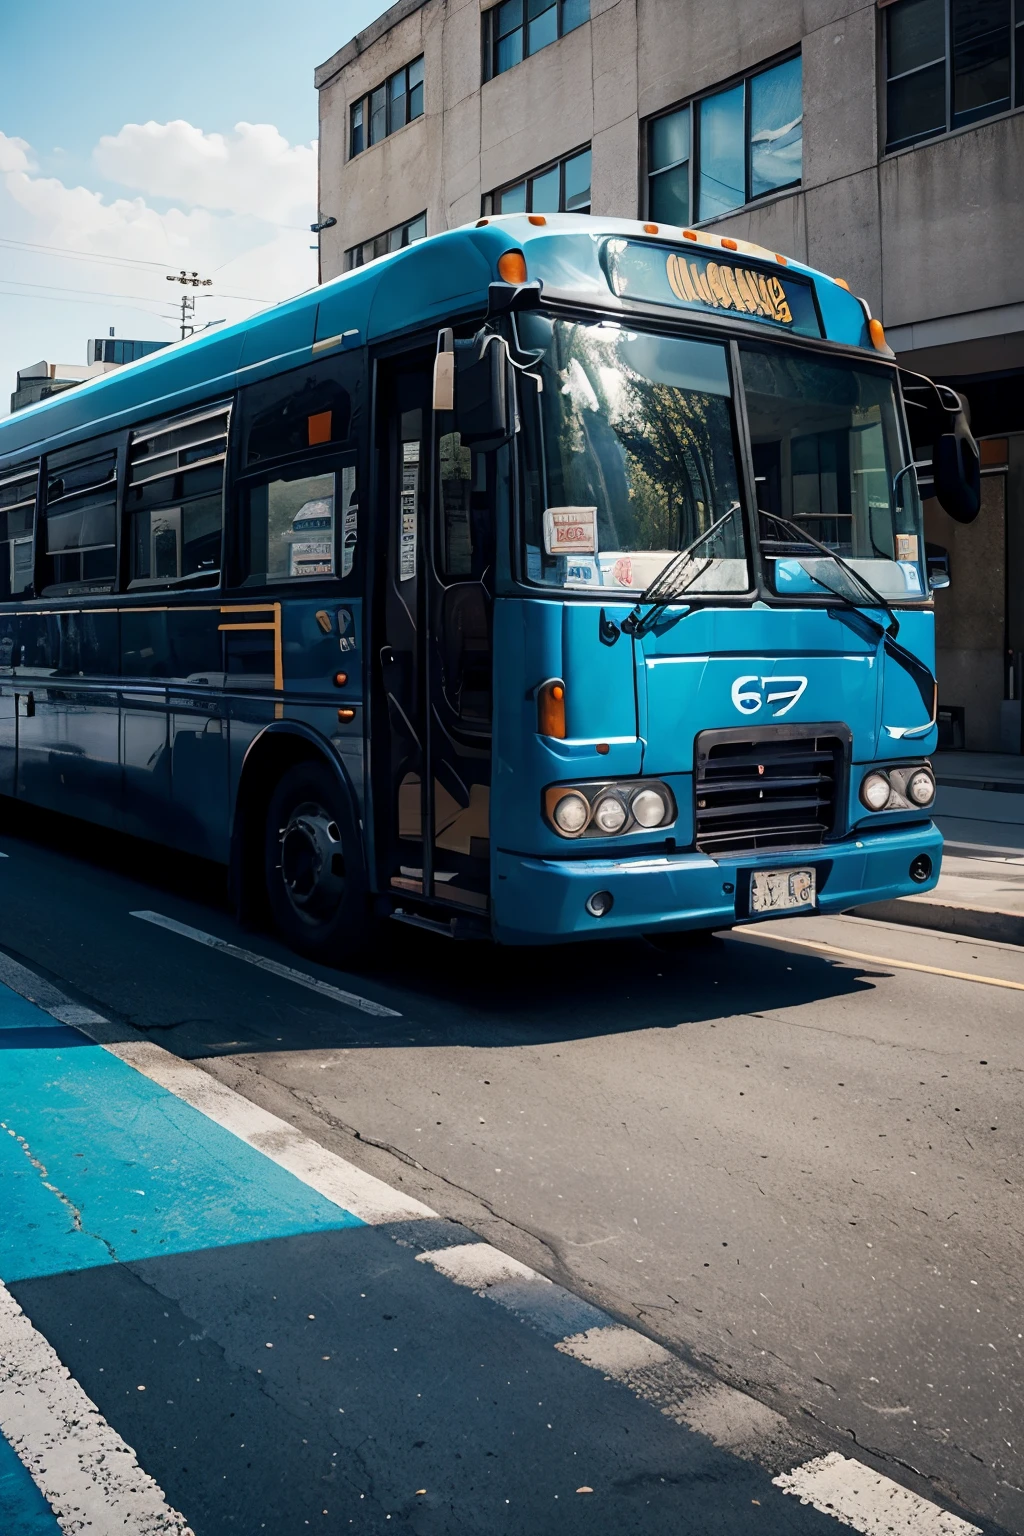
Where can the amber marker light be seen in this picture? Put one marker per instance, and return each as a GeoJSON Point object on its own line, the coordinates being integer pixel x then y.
{"type": "Point", "coordinates": [551, 709]}
{"type": "Point", "coordinates": [340, 679]}
{"type": "Point", "coordinates": [536, 218]}
{"type": "Point", "coordinates": [481, 222]}
{"type": "Point", "coordinates": [512, 267]}
{"type": "Point", "coordinates": [689, 234]}
{"type": "Point", "coordinates": [345, 716]}
{"type": "Point", "coordinates": [782, 260]}
{"type": "Point", "coordinates": [650, 229]}
{"type": "Point", "coordinates": [877, 334]}
{"type": "Point", "coordinates": [729, 245]}
{"type": "Point", "coordinates": [842, 283]}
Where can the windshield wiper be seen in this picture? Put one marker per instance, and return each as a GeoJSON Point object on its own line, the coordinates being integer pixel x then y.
{"type": "Point", "coordinates": [923, 677]}
{"type": "Point", "coordinates": [674, 578]}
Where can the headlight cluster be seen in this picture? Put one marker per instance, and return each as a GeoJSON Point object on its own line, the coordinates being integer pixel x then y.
{"type": "Point", "coordinates": [908, 788]}
{"type": "Point", "coordinates": [606, 809]}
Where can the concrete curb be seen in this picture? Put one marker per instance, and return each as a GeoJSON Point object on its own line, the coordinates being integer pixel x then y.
{"type": "Point", "coordinates": [969, 922]}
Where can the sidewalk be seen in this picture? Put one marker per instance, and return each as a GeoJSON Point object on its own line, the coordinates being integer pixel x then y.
{"type": "Point", "coordinates": [979, 809]}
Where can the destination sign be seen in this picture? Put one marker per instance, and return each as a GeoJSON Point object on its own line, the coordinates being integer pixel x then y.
{"type": "Point", "coordinates": [655, 275]}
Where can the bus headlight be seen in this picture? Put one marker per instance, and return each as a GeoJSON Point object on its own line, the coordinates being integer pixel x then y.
{"type": "Point", "coordinates": [649, 808]}
{"type": "Point", "coordinates": [571, 813]}
{"type": "Point", "coordinates": [875, 790]}
{"type": "Point", "coordinates": [921, 787]}
{"type": "Point", "coordinates": [609, 808]}
{"type": "Point", "coordinates": [610, 814]}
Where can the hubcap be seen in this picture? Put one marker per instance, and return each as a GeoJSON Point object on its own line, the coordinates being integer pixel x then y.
{"type": "Point", "coordinates": [312, 862]}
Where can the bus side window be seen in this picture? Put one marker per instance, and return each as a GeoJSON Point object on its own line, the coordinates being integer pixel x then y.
{"type": "Point", "coordinates": [80, 526]}
{"type": "Point", "coordinates": [295, 525]}
{"type": "Point", "coordinates": [175, 500]}
{"type": "Point", "coordinates": [309, 407]}
{"type": "Point", "coordinates": [17, 509]}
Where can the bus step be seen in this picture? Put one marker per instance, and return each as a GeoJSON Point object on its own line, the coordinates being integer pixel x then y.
{"type": "Point", "coordinates": [454, 928]}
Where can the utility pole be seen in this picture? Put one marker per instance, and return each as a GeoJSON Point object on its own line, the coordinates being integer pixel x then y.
{"type": "Point", "coordinates": [188, 300]}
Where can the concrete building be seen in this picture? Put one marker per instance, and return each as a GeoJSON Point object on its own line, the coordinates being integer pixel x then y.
{"type": "Point", "coordinates": [41, 380]}
{"type": "Point", "coordinates": [882, 142]}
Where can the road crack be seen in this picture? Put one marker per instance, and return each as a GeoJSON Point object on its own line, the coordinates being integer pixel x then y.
{"type": "Point", "coordinates": [65, 1200]}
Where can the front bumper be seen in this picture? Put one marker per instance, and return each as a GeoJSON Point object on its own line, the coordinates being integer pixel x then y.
{"type": "Point", "coordinates": [543, 901]}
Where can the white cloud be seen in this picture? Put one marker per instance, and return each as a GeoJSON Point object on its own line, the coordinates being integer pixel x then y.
{"type": "Point", "coordinates": [252, 171]}
{"type": "Point", "coordinates": [106, 259]}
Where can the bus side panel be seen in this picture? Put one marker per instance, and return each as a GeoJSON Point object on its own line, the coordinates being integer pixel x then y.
{"type": "Point", "coordinates": [8, 716]}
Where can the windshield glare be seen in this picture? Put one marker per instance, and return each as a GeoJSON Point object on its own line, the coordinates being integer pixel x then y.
{"type": "Point", "coordinates": [633, 433]}
{"type": "Point", "coordinates": [826, 446]}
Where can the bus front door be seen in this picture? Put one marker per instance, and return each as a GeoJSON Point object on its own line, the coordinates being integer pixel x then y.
{"type": "Point", "coordinates": [435, 654]}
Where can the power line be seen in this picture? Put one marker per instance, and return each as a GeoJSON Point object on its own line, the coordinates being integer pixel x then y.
{"type": "Point", "coordinates": [62, 288]}
{"type": "Point", "coordinates": [52, 298]}
{"type": "Point", "coordinates": [98, 256]}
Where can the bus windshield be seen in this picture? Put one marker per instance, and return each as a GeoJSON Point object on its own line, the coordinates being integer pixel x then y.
{"type": "Point", "coordinates": [629, 456]}
{"type": "Point", "coordinates": [826, 448]}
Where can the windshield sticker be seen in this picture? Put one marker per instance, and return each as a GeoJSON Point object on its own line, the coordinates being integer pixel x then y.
{"type": "Point", "coordinates": [570, 530]}
{"type": "Point", "coordinates": [648, 272]}
{"type": "Point", "coordinates": [906, 546]}
{"type": "Point", "coordinates": [911, 575]}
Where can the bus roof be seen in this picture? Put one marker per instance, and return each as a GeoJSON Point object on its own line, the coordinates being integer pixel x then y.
{"type": "Point", "coordinates": [439, 277]}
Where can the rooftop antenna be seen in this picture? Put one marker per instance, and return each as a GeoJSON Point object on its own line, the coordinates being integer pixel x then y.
{"type": "Point", "coordinates": [188, 300]}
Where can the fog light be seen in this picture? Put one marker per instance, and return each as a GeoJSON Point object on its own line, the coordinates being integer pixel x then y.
{"type": "Point", "coordinates": [610, 814]}
{"type": "Point", "coordinates": [921, 869]}
{"type": "Point", "coordinates": [874, 791]}
{"type": "Point", "coordinates": [921, 787]}
{"type": "Point", "coordinates": [571, 813]}
{"type": "Point", "coordinates": [649, 808]}
{"type": "Point", "coordinates": [600, 904]}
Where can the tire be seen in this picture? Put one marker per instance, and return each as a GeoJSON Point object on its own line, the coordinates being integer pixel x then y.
{"type": "Point", "coordinates": [314, 869]}
{"type": "Point", "coordinates": [682, 939]}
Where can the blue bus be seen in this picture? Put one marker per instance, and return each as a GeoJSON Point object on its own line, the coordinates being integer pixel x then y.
{"type": "Point", "coordinates": [554, 578]}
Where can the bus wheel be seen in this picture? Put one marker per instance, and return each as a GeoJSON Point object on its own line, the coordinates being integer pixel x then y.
{"type": "Point", "coordinates": [314, 867]}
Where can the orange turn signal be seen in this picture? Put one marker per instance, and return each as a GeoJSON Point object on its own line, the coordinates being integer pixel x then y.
{"type": "Point", "coordinates": [551, 709]}
{"type": "Point", "coordinates": [877, 334]}
{"type": "Point", "coordinates": [512, 267]}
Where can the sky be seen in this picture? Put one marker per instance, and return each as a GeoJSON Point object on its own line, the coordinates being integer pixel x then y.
{"type": "Point", "coordinates": [137, 139]}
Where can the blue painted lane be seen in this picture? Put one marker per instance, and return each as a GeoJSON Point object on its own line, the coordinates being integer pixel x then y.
{"type": "Point", "coordinates": [98, 1164]}
{"type": "Point", "coordinates": [23, 1510]}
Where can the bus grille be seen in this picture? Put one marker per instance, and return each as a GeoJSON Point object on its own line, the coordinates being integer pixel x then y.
{"type": "Point", "coordinates": [759, 791]}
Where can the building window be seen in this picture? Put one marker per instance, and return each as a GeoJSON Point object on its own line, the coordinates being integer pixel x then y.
{"type": "Point", "coordinates": [563, 187]}
{"type": "Point", "coordinates": [517, 28]}
{"type": "Point", "coordinates": [386, 109]}
{"type": "Point", "coordinates": [727, 148]}
{"type": "Point", "coordinates": [950, 63]}
{"type": "Point", "coordinates": [391, 240]}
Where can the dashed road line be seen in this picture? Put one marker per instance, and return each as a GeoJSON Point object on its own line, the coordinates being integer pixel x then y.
{"type": "Point", "coordinates": [264, 963]}
{"type": "Point", "coordinates": [85, 1471]}
{"type": "Point", "coordinates": [871, 1503]}
{"type": "Point", "coordinates": [847, 1490]}
{"type": "Point", "coordinates": [899, 965]}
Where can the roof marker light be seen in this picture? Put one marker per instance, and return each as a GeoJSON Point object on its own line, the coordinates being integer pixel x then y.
{"type": "Point", "coordinates": [689, 234]}
{"type": "Point", "coordinates": [650, 229]}
{"type": "Point", "coordinates": [842, 283]}
{"type": "Point", "coordinates": [729, 245]}
{"type": "Point", "coordinates": [783, 259]}
{"type": "Point", "coordinates": [512, 267]}
{"type": "Point", "coordinates": [536, 218]}
{"type": "Point", "coordinates": [877, 334]}
{"type": "Point", "coordinates": [481, 222]}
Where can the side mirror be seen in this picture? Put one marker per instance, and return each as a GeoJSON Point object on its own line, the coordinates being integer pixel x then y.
{"type": "Point", "coordinates": [956, 470]}
{"type": "Point", "coordinates": [936, 560]}
{"type": "Point", "coordinates": [471, 379]}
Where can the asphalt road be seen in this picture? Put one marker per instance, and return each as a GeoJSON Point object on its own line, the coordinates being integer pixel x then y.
{"type": "Point", "coordinates": [796, 1167]}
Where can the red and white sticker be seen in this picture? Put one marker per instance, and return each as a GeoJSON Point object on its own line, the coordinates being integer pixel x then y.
{"type": "Point", "coordinates": [570, 530]}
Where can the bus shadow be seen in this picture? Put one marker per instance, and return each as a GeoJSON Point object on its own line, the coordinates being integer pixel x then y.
{"type": "Point", "coordinates": [444, 993]}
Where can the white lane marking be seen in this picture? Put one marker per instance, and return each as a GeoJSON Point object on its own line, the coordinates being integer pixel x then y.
{"type": "Point", "coordinates": [85, 1471]}
{"type": "Point", "coordinates": [332, 1176]}
{"type": "Point", "coordinates": [478, 1265]}
{"type": "Point", "coordinates": [729, 1418]}
{"type": "Point", "coordinates": [351, 999]}
{"type": "Point", "coordinates": [855, 1495]}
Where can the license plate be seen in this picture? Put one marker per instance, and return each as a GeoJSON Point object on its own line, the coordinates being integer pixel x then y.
{"type": "Point", "coordinates": [781, 890]}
